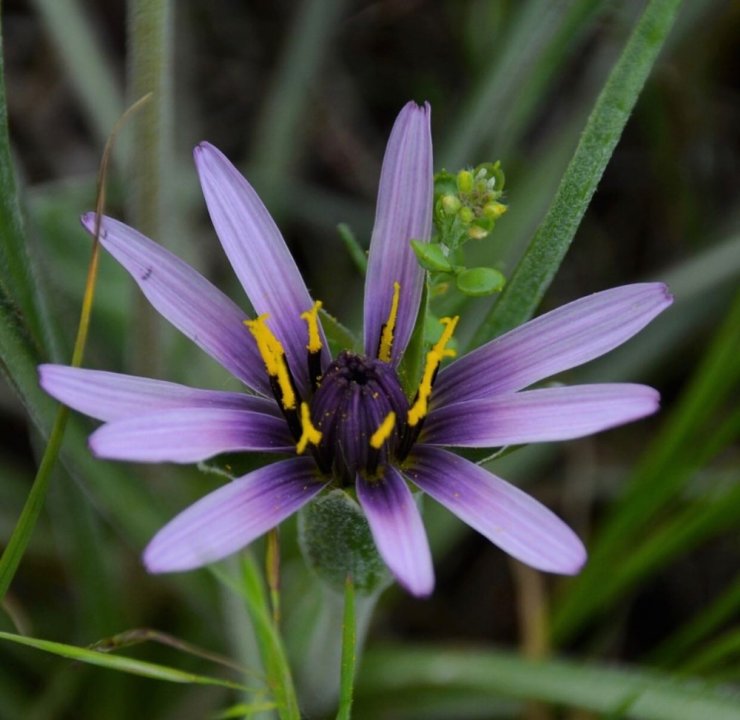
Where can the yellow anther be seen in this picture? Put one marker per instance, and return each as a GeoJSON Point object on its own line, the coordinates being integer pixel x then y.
{"type": "Point", "coordinates": [312, 320]}
{"type": "Point", "coordinates": [434, 357]}
{"type": "Point", "coordinates": [309, 433]}
{"type": "Point", "coordinates": [386, 338]}
{"type": "Point", "coordinates": [273, 355]}
{"type": "Point", "coordinates": [384, 431]}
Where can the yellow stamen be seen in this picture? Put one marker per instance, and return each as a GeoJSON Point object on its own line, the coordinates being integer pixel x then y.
{"type": "Point", "coordinates": [312, 320]}
{"type": "Point", "coordinates": [434, 357]}
{"type": "Point", "coordinates": [309, 433]}
{"type": "Point", "coordinates": [273, 355]}
{"type": "Point", "coordinates": [386, 337]}
{"type": "Point", "coordinates": [384, 431]}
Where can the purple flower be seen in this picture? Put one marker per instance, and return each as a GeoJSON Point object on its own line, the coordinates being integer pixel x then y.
{"type": "Point", "coordinates": [346, 421]}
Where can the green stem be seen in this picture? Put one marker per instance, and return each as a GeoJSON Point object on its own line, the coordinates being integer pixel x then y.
{"type": "Point", "coordinates": [272, 651]}
{"type": "Point", "coordinates": [349, 652]}
{"type": "Point", "coordinates": [547, 249]}
{"type": "Point", "coordinates": [149, 38]}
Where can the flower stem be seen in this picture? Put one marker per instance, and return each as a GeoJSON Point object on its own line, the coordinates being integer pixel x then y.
{"type": "Point", "coordinates": [349, 651]}
{"type": "Point", "coordinates": [149, 39]}
{"type": "Point", "coordinates": [272, 572]}
{"type": "Point", "coordinates": [272, 651]}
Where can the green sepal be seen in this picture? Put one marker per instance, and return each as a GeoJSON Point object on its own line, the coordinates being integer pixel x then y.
{"type": "Point", "coordinates": [336, 541]}
{"type": "Point", "coordinates": [480, 281]}
{"type": "Point", "coordinates": [338, 336]}
{"type": "Point", "coordinates": [411, 365]}
{"type": "Point", "coordinates": [431, 256]}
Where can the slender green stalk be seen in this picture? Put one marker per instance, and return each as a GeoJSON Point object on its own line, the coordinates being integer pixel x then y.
{"type": "Point", "coordinates": [349, 652]}
{"type": "Point", "coordinates": [21, 291]}
{"type": "Point", "coordinates": [273, 654]}
{"type": "Point", "coordinates": [150, 64]}
{"type": "Point", "coordinates": [21, 536]}
{"type": "Point", "coordinates": [119, 663]}
{"type": "Point", "coordinates": [358, 255]}
{"type": "Point", "coordinates": [272, 571]}
{"type": "Point", "coordinates": [542, 259]}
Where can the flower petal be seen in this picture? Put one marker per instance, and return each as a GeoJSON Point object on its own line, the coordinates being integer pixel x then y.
{"type": "Point", "coordinates": [258, 254]}
{"type": "Point", "coordinates": [507, 516]}
{"type": "Point", "coordinates": [398, 531]}
{"type": "Point", "coordinates": [554, 342]}
{"type": "Point", "coordinates": [544, 415]}
{"type": "Point", "coordinates": [231, 517]}
{"type": "Point", "coordinates": [190, 435]}
{"type": "Point", "coordinates": [185, 298]}
{"type": "Point", "coordinates": [112, 396]}
{"type": "Point", "coordinates": [403, 213]}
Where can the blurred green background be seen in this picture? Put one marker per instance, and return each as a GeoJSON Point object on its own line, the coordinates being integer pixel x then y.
{"type": "Point", "coordinates": [301, 96]}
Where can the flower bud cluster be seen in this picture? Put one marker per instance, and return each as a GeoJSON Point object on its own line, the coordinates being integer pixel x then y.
{"type": "Point", "coordinates": [467, 205]}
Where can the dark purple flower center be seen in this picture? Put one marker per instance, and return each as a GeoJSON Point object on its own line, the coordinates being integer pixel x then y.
{"type": "Point", "coordinates": [354, 397]}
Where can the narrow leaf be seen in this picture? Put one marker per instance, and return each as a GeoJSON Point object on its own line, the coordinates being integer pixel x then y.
{"type": "Point", "coordinates": [547, 249]}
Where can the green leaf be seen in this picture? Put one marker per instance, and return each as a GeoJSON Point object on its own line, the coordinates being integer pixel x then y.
{"type": "Point", "coordinates": [121, 664]}
{"type": "Point", "coordinates": [480, 281]}
{"type": "Point", "coordinates": [431, 256]}
{"type": "Point", "coordinates": [535, 271]}
{"type": "Point", "coordinates": [22, 292]}
{"type": "Point", "coordinates": [639, 694]}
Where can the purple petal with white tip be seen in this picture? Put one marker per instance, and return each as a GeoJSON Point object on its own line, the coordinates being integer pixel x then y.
{"type": "Point", "coordinates": [258, 254]}
{"type": "Point", "coordinates": [398, 530]}
{"type": "Point", "coordinates": [403, 213]}
{"type": "Point", "coordinates": [231, 517]}
{"type": "Point", "coordinates": [185, 298]}
{"type": "Point", "coordinates": [554, 342]}
{"type": "Point", "coordinates": [190, 435]}
{"type": "Point", "coordinates": [544, 415]}
{"type": "Point", "coordinates": [508, 517]}
{"type": "Point", "coordinates": [112, 396]}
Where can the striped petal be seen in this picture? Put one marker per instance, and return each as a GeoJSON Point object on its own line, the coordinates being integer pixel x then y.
{"type": "Point", "coordinates": [398, 530]}
{"type": "Point", "coordinates": [508, 517]}
{"type": "Point", "coordinates": [544, 415]}
{"type": "Point", "coordinates": [185, 298]}
{"type": "Point", "coordinates": [231, 517]}
{"type": "Point", "coordinates": [190, 435]}
{"type": "Point", "coordinates": [554, 342]}
{"type": "Point", "coordinates": [404, 213]}
{"type": "Point", "coordinates": [112, 396]}
{"type": "Point", "coordinates": [259, 255]}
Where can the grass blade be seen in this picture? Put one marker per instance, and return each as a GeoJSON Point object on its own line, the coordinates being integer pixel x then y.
{"type": "Point", "coordinates": [116, 662]}
{"type": "Point", "coordinates": [542, 259]}
{"type": "Point", "coordinates": [639, 694]}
